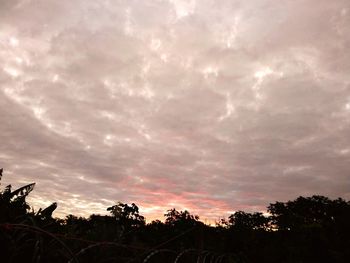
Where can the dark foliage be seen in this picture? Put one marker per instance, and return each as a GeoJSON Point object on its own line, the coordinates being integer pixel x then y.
{"type": "Point", "coordinates": [307, 229]}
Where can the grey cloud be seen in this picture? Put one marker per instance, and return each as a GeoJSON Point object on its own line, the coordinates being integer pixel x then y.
{"type": "Point", "coordinates": [201, 105]}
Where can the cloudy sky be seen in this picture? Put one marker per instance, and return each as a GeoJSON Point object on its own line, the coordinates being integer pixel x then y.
{"type": "Point", "coordinates": [205, 105]}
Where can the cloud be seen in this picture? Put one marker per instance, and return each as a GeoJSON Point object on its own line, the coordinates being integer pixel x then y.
{"type": "Point", "coordinates": [199, 105]}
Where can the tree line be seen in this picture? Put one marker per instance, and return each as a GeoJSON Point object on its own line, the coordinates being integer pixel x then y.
{"type": "Point", "coordinates": [307, 229]}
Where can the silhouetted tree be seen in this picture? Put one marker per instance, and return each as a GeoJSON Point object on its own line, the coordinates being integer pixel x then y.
{"type": "Point", "coordinates": [306, 211]}
{"type": "Point", "coordinates": [127, 215]}
{"type": "Point", "coordinates": [13, 205]}
{"type": "Point", "coordinates": [252, 221]}
{"type": "Point", "coordinates": [181, 218]}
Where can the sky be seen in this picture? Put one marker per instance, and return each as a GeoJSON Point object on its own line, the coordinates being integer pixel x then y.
{"type": "Point", "coordinates": [205, 105]}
